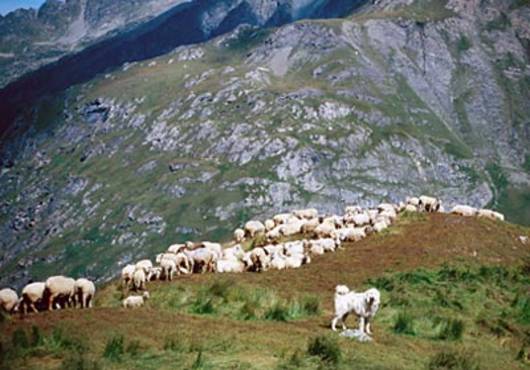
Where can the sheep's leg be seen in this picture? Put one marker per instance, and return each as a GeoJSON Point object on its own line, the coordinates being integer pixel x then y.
{"type": "Point", "coordinates": [50, 302]}
{"type": "Point", "coordinates": [90, 302]}
{"type": "Point", "coordinates": [361, 324]}
{"type": "Point", "coordinates": [85, 301]}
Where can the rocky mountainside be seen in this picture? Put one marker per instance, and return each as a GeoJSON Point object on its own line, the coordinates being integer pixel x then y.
{"type": "Point", "coordinates": [404, 97]}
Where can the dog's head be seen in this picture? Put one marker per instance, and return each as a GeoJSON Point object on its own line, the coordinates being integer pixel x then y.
{"type": "Point", "coordinates": [371, 296]}
{"type": "Point", "coordinates": [341, 290]}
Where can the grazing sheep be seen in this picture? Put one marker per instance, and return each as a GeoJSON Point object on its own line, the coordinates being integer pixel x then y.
{"type": "Point", "coordinates": [306, 214]}
{"type": "Point", "coordinates": [135, 301]}
{"type": "Point", "coordinates": [127, 274]}
{"type": "Point", "coordinates": [274, 234]}
{"type": "Point", "coordinates": [320, 246]}
{"type": "Point", "coordinates": [215, 248]}
{"type": "Point", "coordinates": [386, 207]}
{"type": "Point", "coordinates": [292, 228]}
{"type": "Point", "coordinates": [380, 226]}
{"type": "Point", "coordinates": [309, 226]}
{"type": "Point", "coordinates": [260, 260]}
{"type": "Point", "coordinates": [176, 248]}
{"type": "Point", "coordinates": [233, 253]}
{"type": "Point", "coordinates": [229, 265]}
{"type": "Point", "coordinates": [8, 300]}
{"type": "Point", "coordinates": [352, 234]}
{"type": "Point", "coordinates": [144, 265]}
{"type": "Point", "coordinates": [464, 211]}
{"type": "Point", "coordinates": [169, 268]}
{"type": "Point", "coordinates": [363, 305]}
{"type": "Point", "coordinates": [32, 294]}
{"type": "Point", "coordinates": [269, 224]}
{"type": "Point", "coordinates": [325, 230]}
{"type": "Point", "coordinates": [357, 219]}
{"type": "Point", "coordinates": [59, 291]}
{"type": "Point", "coordinates": [410, 208]}
{"type": "Point", "coordinates": [84, 291]}
{"type": "Point", "coordinates": [139, 279]}
{"type": "Point", "coordinates": [278, 261]}
{"type": "Point", "coordinates": [283, 218]}
{"type": "Point", "coordinates": [352, 210]}
{"type": "Point", "coordinates": [203, 260]}
{"type": "Point", "coordinates": [270, 249]}
{"type": "Point", "coordinates": [297, 260]}
{"type": "Point", "coordinates": [413, 201]}
{"type": "Point", "coordinates": [239, 235]}
{"type": "Point", "coordinates": [154, 273]}
{"type": "Point", "coordinates": [492, 215]}
{"type": "Point", "coordinates": [429, 204]}
{"type": "Point", "coordinates": [334, 220]}
{"type": "Point", "coordinates": [294, 248]}
{"type": "Point", "coordinates": [254, 227]}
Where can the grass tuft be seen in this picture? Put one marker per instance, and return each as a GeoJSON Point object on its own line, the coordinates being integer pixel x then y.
{"type": "Point", "coordinates": [452, 360]}
{"type": "Point", "coordinates": [114, 349]}
{"type": "Point", "coordinates": [404, 324]}
{"type": "Point", "coordinates": [326, 348]}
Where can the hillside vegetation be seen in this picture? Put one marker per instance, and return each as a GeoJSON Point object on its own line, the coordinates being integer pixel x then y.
{"type": "Point", "coordinates": [454, 296]}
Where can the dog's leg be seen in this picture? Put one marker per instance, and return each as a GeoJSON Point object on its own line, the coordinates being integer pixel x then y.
{"type": "Point", "coordinates": [368, 326]}
{"type": "Point", "coordinates": [343, 321]}
{"type": "Point", "coordinates": [361, 324]}
{"type": "Point", "coordinates": [334, 323]}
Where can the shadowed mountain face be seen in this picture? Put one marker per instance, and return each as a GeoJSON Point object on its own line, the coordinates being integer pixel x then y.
{"type": "Point", "coordinates": [187, 23]}
{"type": "Point", "coordinates": [403, 98]}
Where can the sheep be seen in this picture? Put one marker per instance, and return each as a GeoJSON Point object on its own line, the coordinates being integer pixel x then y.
{"type": "Point", "coordinates": [135, 301]}
{"type": "Point", "coordinates": [144, 265]}
{"type": "Point", "coordinates": [215, 248]}
{"type": "Point", "coordinates": [155, 273]}
{"type": "Point", "coordinates": [127, 274]}
{"type": "Point", "coordinates": [203, 260]}
{"type": "Point", "coordinates": [410, 208]}
{"type": "Point", "coordinates": [364, 305]}
{"type": "Point", "coordinates": [139, 279]}
{"type": "Point", "coordinates": [297, 260]}
{"type": "Point", "coordinates": [352, 210]}
{"type": "Point", "coordinates": [8, 300]}
{"type": "Point", "coordinates": [307, 214]}
{"type": "Point", "coordinates": [254, 227]}
{"type": "Point", "coordinates": [239, 235]}
{"type": "Point", "coordinates": [429, 204]}
{"type": "Point", "coordinates": [260, 259]}
{"type": "Point", "coordinates": [492, 215]}
{"type": "Point", "coordinates": [32, 294]}
{"type": "Point", "coordinates": [413, 201]}
{"type": "Point", "coordinates": [294, 248]}
{"type": "Point", "coordinates": [309, 226]}
{"type": "Point", "coordinates": [464, 210]}
{"type": "Point", "coordinates": [352, 234]}
{"type": "Point", "coordinates": [169, 268]}
{"type": "Point", "coordinates": [229, 265]}
{"type": "Point", "coordinates": [325, 230]}
{"type": "Point", "coordinates": [283, 218]}
{"type": "Point", "coordinates": [176, 248]}
{"type": "Point", "coordinates": [84, 291]}
{"type": "Point", "coordinates": [320, 246]}
{"type": "Point", "coordinates": [358, 219]}
{"type": "Point", "coordinates": [386, 207]}
{"type": "Point", "coordinates": [271, 249]}
{"type": "Point", "coordinates": [380, 226]}
{"type": "Point", "coordinates": [233, 253]}
{"type": "Point", "coordinates": [59, 289]}
{"type": "Point", "coordinates": [335, 220]}
{"type": "Point", "coordinates": [274, 234]}
{"type": "Point", "coordinates": [278, 261]}
{"type": "Point", "coordinates": [269, 224]}
{"type": "Point", "coordinates": [292, 228]}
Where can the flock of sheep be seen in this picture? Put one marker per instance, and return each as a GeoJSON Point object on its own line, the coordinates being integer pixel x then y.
{"type": "Point", "coordinates": [323, 234]}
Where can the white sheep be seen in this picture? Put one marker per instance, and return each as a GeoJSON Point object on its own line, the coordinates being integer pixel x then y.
{"type": "Point", "coordinates": [8, 300]}
{"type": "Point", "coordinates": [363, 305]}
{"type": "Point", "coordinates": [203, 259]}
{"type": "Point", "coordinates": [127, 274]}
{"type": "Point", "coordinates": [413, 201]}
{"type": "Point", "coordinates": [294, 247]}
{"type": "Point", "coordinates": [84, 291]}
{"type": "Point", "coordinates": [32, 295]}
{"type": "Point", "coordinates": [270, 249]}
{"type": "Point", "coordinates": [429, 204]}
{"type": "Point", "coordinates": [59, 291]}
{"type": "Point", "coordinates": [215, 248]}
{"type": "Point", "coordinates": [239, 235]}
{"type": "Point", "coordinates": [462, 210]}
{"type": "Point", "coordinates": [145, 265]}
{"type": "Point", "coordinates": [260, 259]}
{"type": "Point", "coordinates": [492, 215]}
{"type": "Point", "coordinates": [274, 234]}
{"type": "Point", "coordinates": [283, 218]}
{"type": "Point", "coordinates": [233, 253]}
{"type": "Point", "coordinates": [410, 208]}
{"type": "Point", "coordinates": [169, 268]}
{"type": "Point", "coordinates": [309, 226]}
{"type": "Point", "coordinates": [135, 301]}
{"type": "Point", "coordinates": [254, 227]}
{"type": "Point", "coordinates": [326, 230]}
{"type": "Point", "coordinates": [297, 260]}
{"type": "Point", "coordinates": [269, 224]}
{"type": "Point", "coordinates": [176, 248]}
{"type": "Point", "coordinates": [278, 261]}
{"type": "Point", "coordinates": [320, 246]}
{"type": "Point", "coordinates": [292, 228]}
{"type": "Point", "coordinates": [352, 210]}
{"type": "Point", "coordinates": [306, 214]}
{"type": "Point", "coordinates": [229, 265]}
{"type": "Point", "coordinates": [351, 234]}
{"type": "Point", "coordinates": [139, 279]}
{"type": "Point", "coordinates": [154, 273]}
{"type": "Point", "coordinates": [380, 226]}
{"type": "Point", "coordinates": [357, 219]}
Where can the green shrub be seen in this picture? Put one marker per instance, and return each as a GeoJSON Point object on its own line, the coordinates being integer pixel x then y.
{"type": "Point", "coordinates": [249, 311]}
{"type": "Point", "coordinates": [58, 342]}
{"type": "Point", "coordinates": [326, 348]}
{"type": "Point", "coordinates": [451, 360]}
{"type": "Point", "coordinates": [133, 348]}
{"type": "Point", "coordinates": [221, 288]}
{"type": "Point", "coordinates": [114, 349]}
{"type": "Point", "coordinates": [19, 340]}
{"type": "Point", "coordinates": [449, 329]}
{"type": "Point", "coordinates": [295, 361]}
{"type": "Point", "coordinates": [77, 361]}
{"type": "Point", "coordinates": [174, 345]}
{"type": "Point", "coordinates": [311, 305]}
{"type": "Point", "coordinates": [36, 336]}
{"type": "Point", "coordinates": [203, 305]}
{"type": "Point", "coordinates": [463, 44]}
{"type": "Point", "coordinates": [278, 312]}
{"type": "Point", "coordinates": [404, 324]}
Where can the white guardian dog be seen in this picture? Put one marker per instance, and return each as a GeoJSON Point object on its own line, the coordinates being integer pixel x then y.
{"type": "Point", "coordinates": [364, 305]}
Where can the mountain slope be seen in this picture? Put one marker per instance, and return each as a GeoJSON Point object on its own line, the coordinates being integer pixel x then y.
{"type": "Point", "coordinates": [394, 101]}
